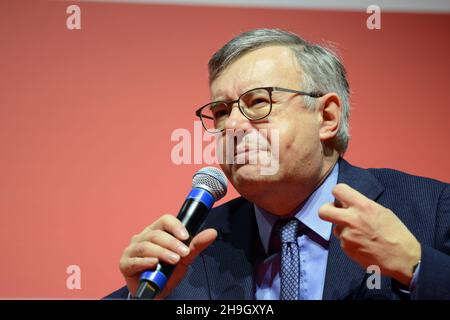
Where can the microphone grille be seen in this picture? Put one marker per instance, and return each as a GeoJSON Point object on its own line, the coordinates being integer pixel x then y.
{"type": "Point", "coordinates": [211, 179]}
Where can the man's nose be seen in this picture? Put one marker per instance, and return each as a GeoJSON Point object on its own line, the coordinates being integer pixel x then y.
{"type": "Point", "coordinates": [237, 120]}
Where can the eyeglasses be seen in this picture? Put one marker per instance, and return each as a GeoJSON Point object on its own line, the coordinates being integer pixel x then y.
{"type": "Point", "coordinates": [254, 104]}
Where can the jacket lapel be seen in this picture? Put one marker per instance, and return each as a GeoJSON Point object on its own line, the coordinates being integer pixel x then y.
{"type": "Point", "coordinates": [344, 277]}
{"type": "Point", "coordinates": [228, 262]}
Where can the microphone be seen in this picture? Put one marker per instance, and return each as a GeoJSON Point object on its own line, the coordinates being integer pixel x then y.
{"type": "Point", "coordinates": [209, 184]}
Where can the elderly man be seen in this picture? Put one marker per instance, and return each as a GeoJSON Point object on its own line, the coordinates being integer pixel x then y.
{"type": "Point", "coordinates": [311, 229]}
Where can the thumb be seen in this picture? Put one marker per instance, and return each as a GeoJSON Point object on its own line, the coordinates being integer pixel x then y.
{"type": "Point", "coordinates": [199, 243]}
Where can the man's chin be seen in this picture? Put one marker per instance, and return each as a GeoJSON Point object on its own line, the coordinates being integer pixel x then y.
{"type": "Point", "coordinates": [248, 180]}
{"type": "Point", "coordinates": [243, 174]}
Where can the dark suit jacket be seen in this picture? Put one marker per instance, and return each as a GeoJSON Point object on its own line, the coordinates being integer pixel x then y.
{"type": "Point", "coordinates": [225, 269]}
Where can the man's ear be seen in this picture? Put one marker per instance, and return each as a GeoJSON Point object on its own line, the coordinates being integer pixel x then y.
{"type": "Point", "coordinates": [330, 110]}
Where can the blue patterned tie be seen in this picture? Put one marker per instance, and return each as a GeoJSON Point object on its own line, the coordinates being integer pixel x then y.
{"type": "Point", "coordinates": [290, 261]}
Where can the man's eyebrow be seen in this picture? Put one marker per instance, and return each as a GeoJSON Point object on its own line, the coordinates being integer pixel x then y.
{"type": "Point", "coordinates": [242, 89]}
{"type": "Point", "coordinates": [219, 98]}
{"type": "Point", "coordinates": [225, 97]}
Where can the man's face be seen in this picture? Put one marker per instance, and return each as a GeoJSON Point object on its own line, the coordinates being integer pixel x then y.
{"type": "Point", "coordinates": [300, 149]}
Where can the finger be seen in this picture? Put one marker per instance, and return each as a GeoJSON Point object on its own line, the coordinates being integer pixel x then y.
{"type": "Point", "coordinates": [199, 243]}
{"type": "Point", "coordinates": [330, 213]}
{"type": "Point", "coordinates": [348, 196]}
{"type": "Point", "coordinates": [148, 249]}
{"type": "Point", "coordinates": [166, 240]}
{"type": "Point", "coordinates": [135, 265]}
{"type": "Point", "coordinates": [170, 224]}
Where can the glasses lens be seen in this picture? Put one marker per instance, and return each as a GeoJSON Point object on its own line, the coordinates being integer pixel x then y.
{"type": "Point", "coordinates": [256, 104]}
{"type": "Point", "coordinates": [215, 115]}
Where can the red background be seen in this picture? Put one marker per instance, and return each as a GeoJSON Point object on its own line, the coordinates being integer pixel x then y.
{"type": "Point", "coordinates": [86, 118]}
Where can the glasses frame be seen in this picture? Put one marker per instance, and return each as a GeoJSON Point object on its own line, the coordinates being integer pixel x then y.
{"type": "Point", "coordinates": [199, 114]}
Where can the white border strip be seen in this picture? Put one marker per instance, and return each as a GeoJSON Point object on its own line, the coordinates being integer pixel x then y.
{"type": "Point", "coordinates": [424, 6]}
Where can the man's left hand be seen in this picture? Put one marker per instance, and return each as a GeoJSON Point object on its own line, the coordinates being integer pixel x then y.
{"type": "Point", "coordinates": [371, 234]}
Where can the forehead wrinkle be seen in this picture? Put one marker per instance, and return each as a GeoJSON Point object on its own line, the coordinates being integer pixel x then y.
{"type": "Point", "coordinates": [256, 70]}
{"type": "Point", "coordinates": [248, 79]}
{"type": "Point", "coordinates": [244, 84]}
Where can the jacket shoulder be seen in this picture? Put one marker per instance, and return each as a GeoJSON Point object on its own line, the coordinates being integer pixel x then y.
{"type": "Point", "coordinates": [121, 293]}
{"type": "Point", "coordinates": [391, 178]}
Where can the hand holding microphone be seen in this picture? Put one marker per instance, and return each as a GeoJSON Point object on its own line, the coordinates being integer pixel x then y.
{"type": "Point", "coordinates": [157, 258]}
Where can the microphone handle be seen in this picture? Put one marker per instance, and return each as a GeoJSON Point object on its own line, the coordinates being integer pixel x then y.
{"type": "Point", "coordinates": [192, 215]}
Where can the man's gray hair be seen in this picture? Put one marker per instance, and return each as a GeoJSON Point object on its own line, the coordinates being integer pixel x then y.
{"type": "Point", "coordinates": [322, 69]}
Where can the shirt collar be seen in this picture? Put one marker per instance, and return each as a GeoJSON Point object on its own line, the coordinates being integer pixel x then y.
{"type": "Point", "coordinates": [308, 214]}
